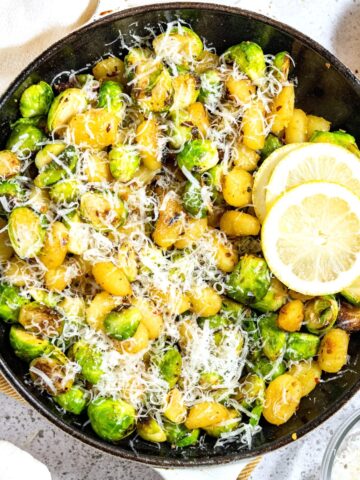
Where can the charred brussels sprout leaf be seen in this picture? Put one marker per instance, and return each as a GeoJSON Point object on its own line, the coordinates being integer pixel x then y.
{"type": "Point", "coordinates": [170, 366]}
{"type": "Point", "coordinates": [301, 346]}
{"type": "Point", "coordinates": [320, 314]}
{"type": "Point", "coordinates": [10, 303]}
{"type": "Point", "coordinates": [36, 100]}
{"type": "Point", "coordinates": [124, 162]}
{"type": "Point", "coordinates": [89, 360]}
{"type": "Point", "coordinates": [25, 139]}
{"type": "Point", "coordinates": [250, 59]}
{"type": "Point", "coordinates": [180, 436]}
{"type": "Point", "coordinates": [26, 232]}
{"type": "Point", "coordinates": [74, 400]}
{"type": "Point", "coordinates": [111, 419]}
{"type": "Point", "coordinates": [122, 325]}
{"type": "Point", "coordinates": [250, 281]}
{"type": "Point", "coordinates": [28, 346]}
{"type": "Point", "coordinates": [193, 200]}
{"type": "Point", "coordinates": [274, 339]}
{"type": "Point", "coordinates": [198, 156]}
{"type": "Point", "coordinates": [150, 430]}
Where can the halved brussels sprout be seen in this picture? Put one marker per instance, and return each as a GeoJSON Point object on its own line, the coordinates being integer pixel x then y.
{"type": "Point", "coordinates": [50, 299]}
{"type": "Point", "coordinates": [211, 88]}
{"type": "Point", "coordinates": [274, 339]}
{"type": "Point", "coordinates": [170, 366]}
{"type": "Point", "coordinates": [250, 59]}
{"type": "Point", "coordinates": [150, 430]}
{"type": "Point", "coordinates": [274, 299]}
{"type": "Point", "coordinates": [234, 311]}
{"type": "Point", "coordinates": [26, 232]}
{"type": "Point", "coordinates": [230, 424]}
{"type": "Point", "coordinates": [193, 200]}
{"type": "Point", "coordinates": [51, 373]}
{"type": "Point", "coordinates": [124, 162]}
{"type": "Point", "coordinates": [272, 143]}
{"type": "Point", "coordinates": [320, 314]}
{"type": "Point", "coordinates": [74, 400]}
{"type": "Point", "coordinates": [281, 64]}
{"type": "Point", "coordinates": [110, 97]}
{"type": "Point", "coordinates": [25, 139]}
{"type": "Point", "coordinates": [40, 320]}
{"type": "Point", "coordinates": [198, 156]}
{"type": "Point", "coordinates": [65, 191]}
{"type": "Point", "coordinates": [268, 370]}
{"type": "Point", "coordinates": [103, 211]}
{"type": "Point", "coordinates": [9, 164]}
{"type": "Point", "coordinates": [179, 45]}
{"type": "Point", "coordinates": [57, 170]}
{"type": "Point", "coordinates": [36, 100]}
{"type": "Point", "coordinates": [11, 189]}
{"type": "Point", "coordinates": [352, 293]}
{"type": "Point", "coordinates": [349, 317]}
{"type": "Point", "coordinates": [137, 57]}
{"type": "Point", "coordinates": [122, 325]}
{"type": "Point", "coordinates": [48, 152]}
{"type": "Point", "coordinates": [89, 360]}
{"type": "Point", "coordinates": [10, 303]}
{"type": "Point", "coordinates": [159, 98]}
{"type": "Point", "coordinates": [180, 436]}
{"type": "Point", "coordinates": [250, 281]}
{"type": "Point", "coordinates": [70, 102]}
{"type": "Point", "coordinates": [28, 346]}
{"type": "Point", "coordinates": [206, 61]}
{"type": "Point", "coordinates": [179, 135]}
{"type": "Point", "coordinates": [340, 138]}
{"type": "Point", "coordinates": [111, 419]}
{"type": "Point", "coordinates": [111, 68]}
{"type": "Point", "coordinates": [185, 91]}
{"type": "Point", "coordinates": [301, 346]}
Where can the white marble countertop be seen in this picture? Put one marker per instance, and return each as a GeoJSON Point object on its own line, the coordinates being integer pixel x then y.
{"type": "Point", "coordinates": [336, 25]}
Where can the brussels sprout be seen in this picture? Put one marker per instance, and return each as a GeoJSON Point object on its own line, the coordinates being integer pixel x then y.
{"type": "Point", "coordinates": [179, 135]}
{"type": "Point", "coordinates": [320, 314]}
{"type": "Point", "coordinates": [250, 59]}
{"type": "Point", "coordinates": [26, 345]}
{"type": "Point", "coordinates": [301, 346]}
{"type": "Point", "coordinates": [180, 436]}
{"type": "Point", "coordinates": [70, 102]}
{"type": "Point", "coordinates": [111, 419]}
{"type": "Point", "coordinates": [111, 68]}
{"type": "Point", "coordinates": [198, 156]}
{"type": "Point", "coordinates": [48, 152]}
{"type": "Point", "coordinates": [40, 319]}
{"type": "Point", "coordinates": [110, 97]}
{"type": "Point", "coordinates": [185, 91]}
{"type": "Point", "coordinates": [25, 139]}
{"type": "Point", "coordinates": [50, 299]}
{"type": "Point", "coordinates": [57, 170]}
{"type": "Point", "coordinates": [209, 380]}
{"type": "Point", "coordinates": [66, 191]}
{"type": "Point", "coordinates": [179, 45]}
{"type": "Point", "coordinates": [206, 61]}
{"type": "Point", "coordinates": [9, 164]}
{"type": "Point", "coordinates": [11, 189]}
{"type": "Point", "coordinates": [170, 366]}
{"type": "Point", "coordinates": [122, 325]}
{"type": "Point", "coordinates": [10, 303]}
{"type": "Point", "coordinates": [274, 339]}
{"type": "Point", "coordinates": [26, 232]}
{"type": "Point", "coordinates": [150, 430]}
{"type": "Point", "coordinates": [160, 96]}
{"type": "Point", "coordinates": [230, 424]}
{"type": "Point", "coordinates": [234, 311]}
{"type": "Point", "coordinates": [74, 400]}
{"type": "Point", "coordinates": [349, 317]}
{"type": "Point", "coordinates": [89, 360]}
{"type": "Point", "coordinates": [73, 308]}
{"type": "Point", "coordinates": [103, 211]}
{"type": "Point", "coordinates": [36, 100]}
{"type": "Point", "coordinates": [193, 200]}
{"type": "Point", "coordinates": [124, 162]}
{"type": "Point", "coordinates": [274, 299]}
{"type": "Point", "coordinates": [215, 322]}
{"type": "Point", "coordinates": [352, 293]}
{"type": "Point", "coordinates": [268, 370]}
{"type": "Point", "coordinates": [340, 138]}
{"type": "Point", "coordinates": [211, 88]}
{"type": "Point", "coordinates": [137, 57]}
{"type": "Point", "coordinates": [281, 64]}
{"type": "Point", "coordinates": [51, 374]}
{"type": "Point", "coordinates": [38, 121]}
{"type": "Point", "coordinates": [251, 391]}
{"type": "Point", "coordinates": [272, 143]}
{"type": "Point", "coordinates": [250, 280]}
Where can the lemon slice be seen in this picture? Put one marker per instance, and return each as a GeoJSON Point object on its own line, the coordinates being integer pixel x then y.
{"type": "Point", "coordinates": [311, 238]}
{"type": "Point", "coordinates": [263, 175]}
{"type": "Point", "coordinates": [317, 161]}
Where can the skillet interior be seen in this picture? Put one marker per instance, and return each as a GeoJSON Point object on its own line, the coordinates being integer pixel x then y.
{"type": "Point", "coordinates": [326, 88]}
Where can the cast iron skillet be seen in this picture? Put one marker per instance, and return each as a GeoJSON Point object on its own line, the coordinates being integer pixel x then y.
{"type": "Point", "coordinates": [326, 88]}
